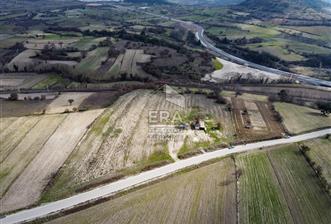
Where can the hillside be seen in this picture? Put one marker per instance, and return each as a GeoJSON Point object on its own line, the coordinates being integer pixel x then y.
{"type": "Point", "coordinates": [283, 5]}
{"type": "Point", "coordinates": [289, 9]}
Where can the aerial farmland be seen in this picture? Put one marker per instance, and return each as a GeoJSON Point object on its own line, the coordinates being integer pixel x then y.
{"type": "Point", "coordinates": [165, 111]}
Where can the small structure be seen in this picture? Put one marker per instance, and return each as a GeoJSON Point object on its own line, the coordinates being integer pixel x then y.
{"type": "Point", "coordinates": [199, 125]}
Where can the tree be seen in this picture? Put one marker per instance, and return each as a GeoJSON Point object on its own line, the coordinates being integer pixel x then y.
{"type": "Point", "coordinates": [325, 108]}
{"type": "Point", "coordinates": [70, 101]}
{"type": "Point", "coordinates": [13, 96]}
{"type": "Point", "coordinates": [283, 95]}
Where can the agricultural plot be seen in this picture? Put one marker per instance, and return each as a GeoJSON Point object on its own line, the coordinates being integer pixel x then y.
{"type": "Point", "coordinates": [245, 96]}
{"type": "Point", "coordinates": [11, 136]}
{"type": "Point", "coordinates": [306, 200]}
{"type": "Point", "coordinates": [27, 149]}
{"type": "Point", "coordinates": [254, 120]}
{"type": "Point", "coordinates": [299, 119]}
{"type": "Point", "coordinates": [261, 199]}
{"type": "Point", "coordinates": [123, 141]}
{"type": "Point", "coordinates": [86, 43]}
{"type": "Point", "coordinates": [28, 186]}
{"type": "Point", "coordinates": [320, 154]}
{"type": "Point", "coordinates": [92, 62]}
{"type": "Point", "coordinates": [20, 80]}
{"type": "Point", "coordinates": [24, 62]}
{"type": "Point", "coordinates": [39, 44]}
{"type": "Point", "coordinates": [279, 186]}
{"type": "Point", "coordinates": [6, 122]}
{"type": "Point", "coordinates": [62, 102]}
{"type": "Point", "coordinates": [50, 81]}
{"type": "Point", "coordinates": [204, 195]}
{"type": "Point", "coordinates": [128, 64]}
{"type": "Point", "coordinates": [22, 107]}
{"type": "Point", "coordinates": [278, 50]}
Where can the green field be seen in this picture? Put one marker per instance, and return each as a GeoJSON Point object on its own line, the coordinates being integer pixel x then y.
{"type": "Point", "coordinates": [217, 64]}
{"type": "Point", "coordinates": [306, 200]}
{"type": "Point", "coordinates": [261, 199]}
{"type": "Point", "coordinates": [92, 61]}
{"type": "Point", "coordinates": [299, 119]}
{"type": "Point", "coordinates": [320, 154]}
{"type": "Point", "coordinates": [50, 81]}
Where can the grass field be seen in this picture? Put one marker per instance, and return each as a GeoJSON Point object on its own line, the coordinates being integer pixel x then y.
{"type": "Point", "coordinates": [320, 154]}
{"type": "Point", "coordinates": [261, 199]}
{"type": "Point", "coordinates": [93, 60]}
{"type": "Point", "coordinates": [217, 64]}
{"type": "Point", "coordinates": [306, 200]}
{"type": "Point", "coordinates": [50, 81]}
{"type": "Point", "coordinates": [299, 119]}
{"type": "Point", "coordinates": [205, 195]}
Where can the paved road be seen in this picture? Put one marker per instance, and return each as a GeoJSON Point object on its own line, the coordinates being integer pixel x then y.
{"type": "Point", "coordinates": [222, 54]}
{"type": "Point", "coordinates": [302, 78]}
{"type": "Point", "coordinates": [145, 177]}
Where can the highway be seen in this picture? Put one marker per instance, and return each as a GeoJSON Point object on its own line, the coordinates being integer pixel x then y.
{"type": "Point", "coordinates": [222, 54]}
{"type": "Point", "coordinates": [226, 56]}
{"type": "Point", "coordinates": [145, 177]}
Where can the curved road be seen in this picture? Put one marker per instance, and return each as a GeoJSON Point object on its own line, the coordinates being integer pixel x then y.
{"type": "Point", "coordinates": [145, 177]}
{"type": "Point", "coordinates": [222, 54]}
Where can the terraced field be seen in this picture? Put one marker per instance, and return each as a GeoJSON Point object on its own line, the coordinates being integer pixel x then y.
{"type": "Point", "coordinates": [299, 119]}
{"type": "Point", "coordinates": [205, 195]}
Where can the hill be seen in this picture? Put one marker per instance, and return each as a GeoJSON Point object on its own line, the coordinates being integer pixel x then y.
{"type": "Point", "coordinates": [309, 10]}
{"type": "Point", "coordinates": [283, 5]}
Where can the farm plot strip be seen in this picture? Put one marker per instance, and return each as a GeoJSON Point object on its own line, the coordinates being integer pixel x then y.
{"type": "Point", "coordinates": [306, 199]}
{"type": "Point", "coordinates": [204, 195]}
{"type": "Point", "coordinates": [27, 149]}
{"type": "Point", "coordinates": [14, 134]}
{"type": "Point", "coordinates": [5, 122]}
{"type": "Point", "coordinates": [27, 188]}
{"type": "Point", "coordinates": [261, 199]}
{"type": "Point", "coordinates": [81, 166]}
{"type": "Point", "coordinates": [320, 153]}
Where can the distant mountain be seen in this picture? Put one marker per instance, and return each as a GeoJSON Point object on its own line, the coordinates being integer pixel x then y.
{"type": "Point", "coordinates": [206, 2]}
{"type": "Point", "coordinates": [283, 5]}
{"type": "Point", "coordinates": [147, 1]}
